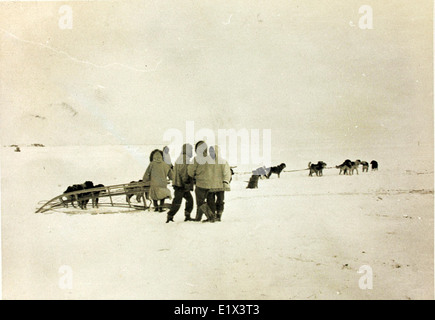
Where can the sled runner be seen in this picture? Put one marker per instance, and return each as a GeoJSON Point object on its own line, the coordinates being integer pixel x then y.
{"type": "Point", "coordinates": [120, 195]}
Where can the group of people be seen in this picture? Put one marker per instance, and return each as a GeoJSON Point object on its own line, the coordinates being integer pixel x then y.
{"type": "Point", "coordinates": [208, 175]}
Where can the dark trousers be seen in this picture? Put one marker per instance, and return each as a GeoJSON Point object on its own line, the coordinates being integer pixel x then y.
{"type": "Point", "coordinates": [220, 202]}
{"type": "Point", "coordinates": [216, 201]}
{"type": "Point", "coordinates": [201, 196]}
{"type": "Point", "coordinates": [179, 194]}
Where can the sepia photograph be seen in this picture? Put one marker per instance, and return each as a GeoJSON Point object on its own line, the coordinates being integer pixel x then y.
{"type": "Point", "coordinates": [217, 151]}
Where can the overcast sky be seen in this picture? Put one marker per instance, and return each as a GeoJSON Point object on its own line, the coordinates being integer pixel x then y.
{"type": "Point", "coordinates": [129, 70]}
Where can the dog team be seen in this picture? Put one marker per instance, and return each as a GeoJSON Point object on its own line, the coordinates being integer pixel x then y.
{"type": "Point", "coordinates": [348, 167]}
{"type": "Point", "coordinates": [83, 198]}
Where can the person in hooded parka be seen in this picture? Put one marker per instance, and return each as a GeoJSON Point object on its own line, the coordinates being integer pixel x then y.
{"type": "Point", "coordinates": [220, 182]}
{"type": "Point", "coordinates": [157, 174]}
{"type": "Point", "coordinates": [182, 184]}
{"type": "Point", "coordinates": [167, 157]}
{"type": "Point", "coordinates": [200, 171]}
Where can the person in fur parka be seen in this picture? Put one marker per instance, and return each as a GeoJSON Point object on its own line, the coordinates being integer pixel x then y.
{"type": "Point", "coordinates": [182, 184]}
{"type": "Point", "coordinates": [157, 174]}
{"type": "Point", "coordinates": [221, 178]}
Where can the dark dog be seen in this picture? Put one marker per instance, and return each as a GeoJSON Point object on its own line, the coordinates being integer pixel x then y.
{"type": "Point", "coordinates": [83, 198]}
{"type": "Point", "coordinates": [347, 166]}
{"type": "Point", "coordinates": [86, 196]}
{"type": "Point", "coordinates": [96, 194]}
{"type": "Point", "coordinates": [73, 188]}
{"type": "Point", "coordinates": [374, 164]}
{"type": "Point", "coordinates": [316, 168]}
{"type": "Point", "coordinates": [344, 168]}
{"type": "Point", "coordinates": [277, 170]}
{"type": "Point", "coordinates": [354, 166]}
{"type": "Point", "coordinates": [253, 182]}
{"type": "Point", "coordinates": [133, 190]}
{"type": "Point", "coordinates": [350, 166]}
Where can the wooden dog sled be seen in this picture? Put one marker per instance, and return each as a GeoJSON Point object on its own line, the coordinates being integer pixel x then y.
{"type": "Point", "coordinates": [120, 195]}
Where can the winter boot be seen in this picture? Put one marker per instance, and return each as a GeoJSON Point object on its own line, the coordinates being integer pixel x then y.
{"type": "Point", "coordinates": [162, 206]}
{"type": "Point", "coordinates": [208, 213]}
{"type": "Point", "coordinates": [199, 214]}
{"type": "Point", "coordinates": [170, 219]}
{"type": "Point", "coordinates": [218, 216]}
{"type": "Point", "coordinates": [187, 216]}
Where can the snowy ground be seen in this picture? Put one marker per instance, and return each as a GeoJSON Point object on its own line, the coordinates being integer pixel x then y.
{"type": "Point", "coordinates": [292, 238]}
